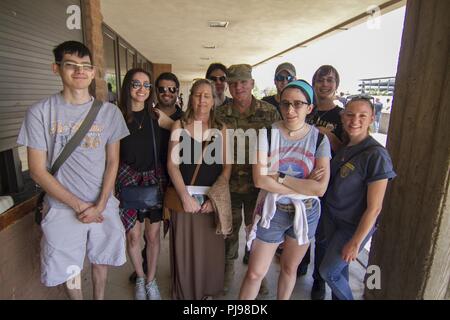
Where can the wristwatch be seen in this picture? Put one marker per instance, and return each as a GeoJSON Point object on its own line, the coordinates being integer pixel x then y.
{"type": "Point", "coordinates": [281, 177]}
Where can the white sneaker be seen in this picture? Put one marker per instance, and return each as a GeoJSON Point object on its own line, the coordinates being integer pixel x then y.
{"type": "Point", "coordinates": [139, 289]}
{"type": "Point", "coordinates": [152, 291]}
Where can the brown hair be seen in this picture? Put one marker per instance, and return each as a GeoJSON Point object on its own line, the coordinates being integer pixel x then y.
{"type": "Point", "coordinates": [125, 95]}
{"type": "Point", "coordinates": [324, 71]}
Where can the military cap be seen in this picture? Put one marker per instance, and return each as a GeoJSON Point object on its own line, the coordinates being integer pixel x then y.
{"type": "Point", "coordinates": [239, 72]}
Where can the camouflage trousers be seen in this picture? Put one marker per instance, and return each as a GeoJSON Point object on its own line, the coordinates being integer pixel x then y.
{"type": "Point", "coordinates": [238, 200]}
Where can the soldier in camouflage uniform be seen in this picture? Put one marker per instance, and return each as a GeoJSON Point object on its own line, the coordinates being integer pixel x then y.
{"type": "Point", "coordinates": [244, 112]}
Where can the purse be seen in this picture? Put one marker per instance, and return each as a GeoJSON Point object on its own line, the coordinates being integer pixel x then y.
{"type": "Point", "coordinates": [139, 197]}
{"type": "Point", "coordinates": [135, 197]}
{"type": "Point", "coordinates": [73, 143]}
{"type": "Point", "coordinates": [171, 199]}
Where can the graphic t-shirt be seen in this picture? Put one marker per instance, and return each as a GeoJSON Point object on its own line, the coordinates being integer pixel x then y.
{"type": "Point", "coordinates": [295, 158]}
{"type": "Point", "coordinates": [50, 123]}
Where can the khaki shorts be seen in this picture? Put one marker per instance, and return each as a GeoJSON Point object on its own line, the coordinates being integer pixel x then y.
{"type": "Point", "coordinates": [65, 241]}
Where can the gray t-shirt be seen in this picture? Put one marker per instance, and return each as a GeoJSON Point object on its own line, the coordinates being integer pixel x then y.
{"type": "Point", "coordinates": [295, 158]}
{"type": "Point", "coordinates": [50, 123]}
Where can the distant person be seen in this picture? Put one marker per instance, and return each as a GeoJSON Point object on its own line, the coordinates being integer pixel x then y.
{"type": "Point", "coordinates": [217, 73]}
{"type": "Point", "coordinates": [388, 104]}
{"type": "Point", "coordinates": [284, 74]}
{"type": "Point", "coordinates": [112, 97]}
{"type": "Point", "coordinates": [342, 99]}
{"type": "Point", "coordinates": [378, 105]}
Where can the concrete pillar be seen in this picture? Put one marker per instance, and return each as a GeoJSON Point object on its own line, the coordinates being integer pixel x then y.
{"type": "Point", "coordinates": [412, 247]}
{"type": "Point", "coordinates": [94, 40]}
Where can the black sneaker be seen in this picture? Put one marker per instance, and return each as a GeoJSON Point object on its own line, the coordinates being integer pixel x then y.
{"type": "Point", "coordinates": [246, 256]}
{"type": "Point", "coordinates": [318, 290]}
{"type": "Point", "coordinates": [302, 270]}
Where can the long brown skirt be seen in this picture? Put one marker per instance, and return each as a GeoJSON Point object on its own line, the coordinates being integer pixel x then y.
{"type": "Point", "coordinates": [197, 256]}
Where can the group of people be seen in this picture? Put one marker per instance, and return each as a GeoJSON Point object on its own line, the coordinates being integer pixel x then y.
{"type": "Point", "coordinates": [313, 171]}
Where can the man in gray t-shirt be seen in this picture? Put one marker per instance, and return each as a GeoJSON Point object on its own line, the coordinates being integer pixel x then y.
{"type": "Point", "coordinates": [81, 213]}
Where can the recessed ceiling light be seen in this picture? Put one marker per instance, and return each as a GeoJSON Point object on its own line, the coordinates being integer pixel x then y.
{"type": "Point", "coordinates": [218, 24]}
{"type": "Point", "coordinates": [205, 58]}
{"type": "Point", "coordinates": [209, 46]}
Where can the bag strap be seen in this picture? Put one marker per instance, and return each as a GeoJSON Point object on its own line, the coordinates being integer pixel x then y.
{"type": "Point", "coordinates": [75, 141]}
{"type": "Point", "coordinates": [197, 168]}
{"type": "Point", "coordinates": [350, 158]}
{"type": "Point", "coordinates": [319, 140]}
{"type": "Point", "coordinates": [154, 142]}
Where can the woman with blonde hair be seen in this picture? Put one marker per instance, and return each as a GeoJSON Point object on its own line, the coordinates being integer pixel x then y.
{"type": "Point", "coordinates": [197, 229]}
{"type": "Point", "coordinates": [360, 172]}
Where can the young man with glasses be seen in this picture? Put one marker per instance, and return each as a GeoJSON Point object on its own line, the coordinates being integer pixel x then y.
{"type": "Point", "coordinates": [284, 74]}
{"type": "Point", "coordinates": [80, 211]}
{"type": "Point", "coordinates": [217, 73]}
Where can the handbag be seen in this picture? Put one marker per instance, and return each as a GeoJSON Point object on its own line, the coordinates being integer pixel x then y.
{"type": "Point", "coordinates": [73, 143]}
{"type": "Point", "coordinates": [171, 199]}
{"type": "Point", "coordinates": [139, 197]}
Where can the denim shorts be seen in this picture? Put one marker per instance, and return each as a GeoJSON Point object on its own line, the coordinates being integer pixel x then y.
{"type": "Point", "coordinates": [281, 225]}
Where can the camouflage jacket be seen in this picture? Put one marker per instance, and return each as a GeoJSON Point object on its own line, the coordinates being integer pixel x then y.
{"type": "Point", "coordinates": [260, 115]}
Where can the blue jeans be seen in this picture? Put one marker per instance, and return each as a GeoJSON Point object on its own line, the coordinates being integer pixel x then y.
{"type": "Point", "coordinates": [333, 269]}
{"type": "Point", "coordinates": [282, 225]}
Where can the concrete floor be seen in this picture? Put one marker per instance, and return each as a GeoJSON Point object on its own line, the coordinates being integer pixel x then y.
{"type": "Point", "coordinates": [119, 287]}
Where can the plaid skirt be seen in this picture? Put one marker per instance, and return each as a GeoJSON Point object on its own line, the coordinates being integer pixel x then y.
{"type": "Point", "coordinates": [127, 176]}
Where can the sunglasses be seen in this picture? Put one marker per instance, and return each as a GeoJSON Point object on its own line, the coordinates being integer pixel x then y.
{"type": "Point", "coordinates": [297, 104]}
{"type": "Point", "coordinates": [136, 84]}
{"type": "Point", "coordinates": [69, 65]}
{"type": "Point", "coordinates": [215, 79]}
{"type": "Point", "coordinates": [282, 78]}
{"type": "Point", "coordinates": [358, 97]}
{"type": "Point", "coordinates": [169, 89]}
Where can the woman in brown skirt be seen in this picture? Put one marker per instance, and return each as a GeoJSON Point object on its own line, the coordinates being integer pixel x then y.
{"type": "Point", "coordinates": [197, 246]}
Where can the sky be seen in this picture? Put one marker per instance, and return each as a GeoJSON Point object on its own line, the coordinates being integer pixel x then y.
{"type": "Point", "coordinates": [369, 50]}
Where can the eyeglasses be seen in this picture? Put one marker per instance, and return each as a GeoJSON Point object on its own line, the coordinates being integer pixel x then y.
{"type": "Point", "coordinates": [280, 77]}
{"type": "Point", "coordinates": [215, 79]}
{"type": "Point", "coordinates": [69, 65]}
{"type": "Point", "coordinates": [297, 104]}
{"type": "Point", "coordinates": [165, 89]}
{"type": "Point", "coordinates": [136, 84]}
{"type": "Point", "coordinates": [327, 80]}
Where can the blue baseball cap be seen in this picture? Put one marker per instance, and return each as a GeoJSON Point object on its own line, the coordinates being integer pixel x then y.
{"type": "Point", "coordinates": [302, 84]}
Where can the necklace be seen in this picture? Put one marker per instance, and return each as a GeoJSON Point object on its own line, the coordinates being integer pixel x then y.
{"type": "Point", "coordinates": [291, 133]}
{"type": "Point", "coordinates": [139, 123]}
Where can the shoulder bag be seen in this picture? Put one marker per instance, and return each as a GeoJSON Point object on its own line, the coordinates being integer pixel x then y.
{"type": "Point", "coordinates": [73, 143]}
{"type": "Point", "coordinates": [140, 197]}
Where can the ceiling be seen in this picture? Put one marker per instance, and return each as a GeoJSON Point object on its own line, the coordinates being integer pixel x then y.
{"type": "Point", "coordinates": [174, 31]}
